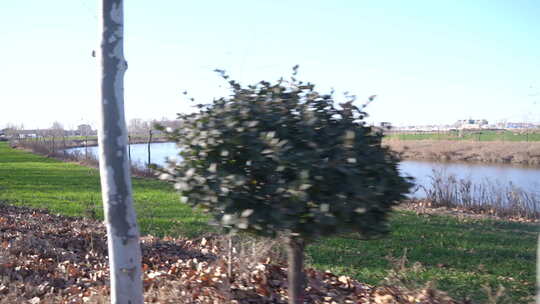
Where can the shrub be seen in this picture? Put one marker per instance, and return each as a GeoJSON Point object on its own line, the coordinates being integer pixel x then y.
{"type": "Point", "coordinates": [282, 158]}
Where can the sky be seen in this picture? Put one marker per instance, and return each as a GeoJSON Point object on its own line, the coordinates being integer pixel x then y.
{"type": "Point", "coordinates": [428, 62]}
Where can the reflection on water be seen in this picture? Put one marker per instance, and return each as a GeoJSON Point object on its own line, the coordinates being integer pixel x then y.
{"type": "Point", "coordinates": [139, 152]}
{"type": "Point", "coordinates": [528, 179]}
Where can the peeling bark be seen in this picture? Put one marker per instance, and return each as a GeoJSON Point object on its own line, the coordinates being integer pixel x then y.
{"type": "Point", "coordinates": [120, 217]}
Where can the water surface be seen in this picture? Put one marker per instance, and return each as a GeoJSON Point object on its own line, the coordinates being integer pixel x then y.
{"type": "Point", "coordinates": [526, 178]}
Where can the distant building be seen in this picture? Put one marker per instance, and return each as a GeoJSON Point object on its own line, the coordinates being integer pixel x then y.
{"type": "Point", "coordinates": [18, 134]}
{"type": "Point", "coordinates": [471, 124]}
{"type": "Point", "coordinates": [386, 125]}
{"type": "Point", "coordinates": [519, 125]}
{"type": "Point", "coordinates": [84, 129]}
{"type": "Point", "coordinates": [29, 133]}
{"type": "Point", "coordinates": [466, 124]}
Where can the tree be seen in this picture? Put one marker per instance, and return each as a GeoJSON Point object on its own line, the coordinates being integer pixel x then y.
{"type": "Point", "coordinates": [136, 125]}
{"type": "Point", "coordinates": [58, 128]}
{"type": "Point", "coordinates": [281, 158]}
{"type": "Point", "coordinates": [122, 231]}
{"type": "Point", "coordinates": [57, 131]}
{"type": "Point", "coordinates": [13, 130]}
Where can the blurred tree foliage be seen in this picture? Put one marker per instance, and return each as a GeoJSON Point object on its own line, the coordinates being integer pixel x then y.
{"type": "Point", "coordinates": [283, 158]}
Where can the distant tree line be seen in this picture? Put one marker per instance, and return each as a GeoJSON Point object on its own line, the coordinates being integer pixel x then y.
{"type": "Point", "coordinates": [136, 127]}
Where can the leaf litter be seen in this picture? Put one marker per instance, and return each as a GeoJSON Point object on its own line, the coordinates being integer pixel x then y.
{"type": "Point", "coordinates": [47, 258]}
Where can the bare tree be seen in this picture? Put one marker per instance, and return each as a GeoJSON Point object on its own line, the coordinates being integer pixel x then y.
{"type": "Point", "coordinates": [85, 130]}
{"type": "Point", "coordinates": [57, 127]}
{"type": "Point", "coordinates": [57, 131]}
{"type": "Point", "coordinates": [122, 230]}
{"type": "Point", "coordinates": [135, 125]}
{"type": "Point", "coordinates": [13, 131]}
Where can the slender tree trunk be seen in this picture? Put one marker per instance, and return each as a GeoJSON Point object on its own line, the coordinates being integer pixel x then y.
{"type": "Point", "coordinates": [295, 257]}
{"type": "Point", "coordinates": [229, 257]}
{"type": "Point", "coordinates": [129, 148]}
{"type": "Point", "coordinates": [149, 142]}
{"type": "Point", "coordinates": [86, 147]}
{"type": "Point", "coordinates": [120, 217]}
{"type": "Point", "coordinates": [538, 271]}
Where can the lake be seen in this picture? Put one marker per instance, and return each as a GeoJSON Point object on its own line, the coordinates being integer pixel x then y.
{"type": "Point", "coordinates": [525, 178]}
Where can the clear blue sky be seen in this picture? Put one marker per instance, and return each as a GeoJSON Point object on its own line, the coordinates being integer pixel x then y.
{"type": "Point", "coordinates": [429, 62]}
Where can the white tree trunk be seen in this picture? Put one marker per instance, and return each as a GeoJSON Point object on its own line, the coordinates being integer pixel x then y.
{"type": "Point", "coordinates": [120, 218]}
{"type": "Point", "coordinates": [538, 271]}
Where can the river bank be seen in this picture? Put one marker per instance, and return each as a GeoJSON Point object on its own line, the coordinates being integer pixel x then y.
{"type": "Point", "coordinates": [494, 152]}
{"type": "Point", "coordinates": [501, 190]}
{"type": "Point", "coordinates": [91, 141]}
{"type": "Point", "coordinates": [516, 153]}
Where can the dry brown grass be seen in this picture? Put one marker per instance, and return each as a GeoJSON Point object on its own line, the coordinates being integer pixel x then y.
{"type": "Point", "coordinates": [522, 153]}
{"type": "Point", "coordinates": [485, 197]}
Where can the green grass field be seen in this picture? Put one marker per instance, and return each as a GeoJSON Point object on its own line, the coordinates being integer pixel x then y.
{"type": "Point", "coordinates": [461, 255]}
{"type": "Point", "coordinates": [35, 181]}
{"type": "Point", "coordinates": [487, 135]}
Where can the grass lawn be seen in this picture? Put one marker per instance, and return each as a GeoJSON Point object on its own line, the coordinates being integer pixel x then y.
{"type": "Point", "coordinates": [486, 135]}
{"type": "Point", "coordinates": [35, 181]}
{"type": "Point", "coordinates": [461, 255]}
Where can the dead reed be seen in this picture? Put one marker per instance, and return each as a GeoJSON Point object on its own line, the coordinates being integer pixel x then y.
{"type": "Point", "coordinates": [490, 197]}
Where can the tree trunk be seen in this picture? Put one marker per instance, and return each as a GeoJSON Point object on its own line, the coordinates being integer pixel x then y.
{"type": "Point", "coordinates": [129, 149]}
{"type": "Point", "coordinates": [149, 142]}
{"type": "Point", "coordinates": [538, 271]}
{"type": "Point", "coordinates": [86, 147]}
{"type": "Point", "coordinates": [120, 217]}
{"type": "Point", "coordinates": [229, 258]}
{"type": "Point", "coordinates": [295, 257]}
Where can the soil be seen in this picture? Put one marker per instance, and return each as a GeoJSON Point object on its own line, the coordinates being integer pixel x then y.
{"type": "Point", "coordinates": [47, 258]}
